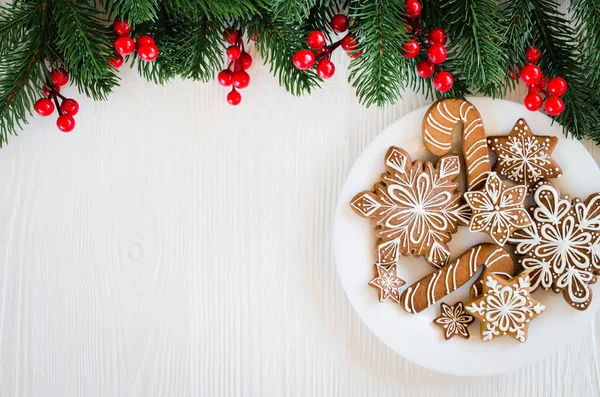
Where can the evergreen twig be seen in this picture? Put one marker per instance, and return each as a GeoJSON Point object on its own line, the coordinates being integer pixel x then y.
{"type": "Point", "coordinates": [24, 31]}
{"type": "Point", "coordinates": [379, 74]}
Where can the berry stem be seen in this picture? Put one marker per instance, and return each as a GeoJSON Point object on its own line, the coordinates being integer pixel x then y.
{"type": "Point", "coordinates": [327, 50]}
{"type": "Point", "coordinates": [58, 109]}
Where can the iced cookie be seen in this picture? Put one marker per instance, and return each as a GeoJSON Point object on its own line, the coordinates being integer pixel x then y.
{"type": "Point", "coordinates": [438, 125]}
{"type": "Point", "coordinates": [523, 157]}
{"type": "Point", "coordinates": [433, 287]}
{"type": "Point", "coordinates": [388, 282]}
{"type": "Point", "coordinates": [454, 320]}
{"type": "Point", "coordinates": [505, 307]}
{"type": "Point", "coordinates": [415, 208]}
{"type": "Point", "coordinates": [498, 209]}
{"type": "Point", "coordinates": [561, 250]}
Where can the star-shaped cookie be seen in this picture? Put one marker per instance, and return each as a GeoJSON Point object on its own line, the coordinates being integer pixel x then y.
{"type": "Point", "coordinates": [454, 320]}
{"type": "Point", "coordinates": [388, 282]}
{"type": "Point", "coordinates": [524, 157]}
{"type": "Point", "coordinates": [498, 209]}
{"type": "Point", "coordinates": [505, 307]}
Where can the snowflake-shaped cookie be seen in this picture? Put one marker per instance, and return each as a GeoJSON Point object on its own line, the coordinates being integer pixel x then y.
{"type": "Point", "coordinates": [506, 307]}
{"type": "Point", "coordinates": [388, 282]}
{"type": "Point", "coordinates": [415, 208]}
{"type": "Point", "coordinates": [561, 250]}
{"type": "Point", "coordinates": [524, 157]}
{"type": "Point", "coordinates": [498, 209]}
{"type": "Point", "coordinates": [454, 320]}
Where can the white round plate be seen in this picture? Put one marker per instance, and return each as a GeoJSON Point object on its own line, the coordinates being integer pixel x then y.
{"type": "Point", "coordinates": [414, 336]}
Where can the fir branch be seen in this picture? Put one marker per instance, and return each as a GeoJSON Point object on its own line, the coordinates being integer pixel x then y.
{"type": "Point", "coordinates": [134, 11]}
{"type": "Point", "coordinates": [190, 49]}
{"type": "Point", "coordinates": [586, 14]}
{"type": "Point", "coordinates": [379, 74]}
{"type": "Point", "coordinates": [476, 46]}
{"type": "Point", "coordinates": [293, 11]}
{"type": "Point", "coordinates": [22, 62]}
{"type": "Point", "coordinates": [228, 9]}
{"type": "Point", "coordinates": [277, 42]}
{"type": "Point", "coordinates": [85, 46]}
{"type": "Point", "coordinates": [549, 29]}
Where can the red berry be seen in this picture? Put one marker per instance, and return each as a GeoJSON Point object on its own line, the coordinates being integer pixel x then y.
{"type": "Point", "coordinates": [148, 52]}
{"type": "Point", "coordinates": [437, 53]}
{"type": "Point", "coordinates": [246, 60]}
{"type": "Point", "coordinates": [143, 40]}
{"type": "Point", "coordinates": [413, 9]}
{"type": "Point", "coordinates": [232, 35]}
{"type": "Point", "coordinates": [48, 92]}
{"type": "Point", "coordinates": [121, 28]}
{"type": "Point", "coordinates": [304, 59]}
{"type": "Point", "coordinates": [533, 101]}
{"type": "Point", "coordinates": [557, 86]}
{"type": "Point", "coordinates": [437, 36]}
{"type": "Point", "coordinates": [224, 77]}
{"type": "Point", "coordinates": [531, 74]}
{"type": "Point", "coordinates": [240, 79]}
{"type": "Point", "coordinates": [355, 54]}
{"type": "Point", "coordinates": [44, 107]}
{"type": "Point", "coordinates": [116, 61]}
{"type": "Point", "coordinates": [543, 82]}
{"type": "Point", "coordinates": [534, 89]}
{"type": "Point", "coordinates": [443, 81]}
{"type": "Point", "coordinates": [554, 106]}
{"type": "Point", "coordinates": [315, 39]}
{"type": "Point", "coordinates": [411, 49]}
{"type": "Point", "coordinates": [234, 98]}
{"type": "Point", "coordinates": [349, 42]}
{"type": "Point", "coordinates": [513, 75]}
{"type": "Point", "coordinates": [59, 77]}
{"type": "Point", "coordinates": [70, 106]}
{"type": "Point", "coordinates": [233, 52]}
{"type": "Point", "coordinates": [124, 45]}
{"type": "Point", "coordinates": [425, 69]}
{"type": "Point", "coordinates": [325, 69]}
{"type": "Point", "coordinates": [533, 54]}
{"type": "Point", "coordinates": [65, 123]}
{"type": "Point", "coordinates": [339, 23]}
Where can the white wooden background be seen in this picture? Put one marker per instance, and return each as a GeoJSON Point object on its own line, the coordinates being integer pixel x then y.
{"type": "Point", "coordinates": [173, 245]}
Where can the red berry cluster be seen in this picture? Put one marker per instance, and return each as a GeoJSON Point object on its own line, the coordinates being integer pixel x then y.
{"type": "Point", "coordinates": [541, 90]}
{"type": "Point", "coordinates": [124, 45]}
{"type": "Point", "coordinates": [235, 74]}
{"type": "Point", "coordinates": [434, 47]}
{"type": "Point", "coordinates": [320, 53]}
{"type": "Point", "coordinates": [67, 107]}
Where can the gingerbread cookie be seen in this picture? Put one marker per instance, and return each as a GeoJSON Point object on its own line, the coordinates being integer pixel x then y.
{"type": "Point", "coordinates": [562, 249]}
{"type": "Point", "coordinates": [524, 157]}
{"type": "Point", "coordinates": [498, 209]}
{"type": "Point", "coordinates": [505, 307]}
{"type": "Point", "coordinates": [388, 282]}
{"type": "Point", "coordinates": [438, 125]}
{"type": "Point", "coordinates": [415, 208]}
{"type": "Point", "coordinates": [433, 287]}
{"type": "Point", "coordinates": [454, 320]}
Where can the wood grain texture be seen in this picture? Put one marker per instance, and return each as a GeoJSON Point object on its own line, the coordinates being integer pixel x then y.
{"type": "Point", "coordinates": [175, 246]}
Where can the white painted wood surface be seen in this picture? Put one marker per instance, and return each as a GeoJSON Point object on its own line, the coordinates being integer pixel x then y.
{"type": "Point", "coordinates": [175, 246]}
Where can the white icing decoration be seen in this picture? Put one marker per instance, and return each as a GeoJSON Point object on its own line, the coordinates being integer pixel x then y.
{"type": "Point", "coordinates": [439, 123]}
{"type": "Point", "coordinates": [467, 264]}
{"type": "Point", "coordinates": [561, 251]}
{"type": "Point", "coordinates": [505, 308]}
{"type": "Point", "coordinates": [417, 206]}
{"type": "Point", "coordinates": [388, 282]}
{"type": "Point", "coordinates": [523, 157]}
{"type": "Point", "coordinates": [454, 320]}
{"type": "Point", "coordinates": [498, 209]}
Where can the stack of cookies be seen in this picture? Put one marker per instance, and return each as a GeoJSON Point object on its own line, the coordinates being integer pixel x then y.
{"type": "Point", "coordinates": [416, 207]}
